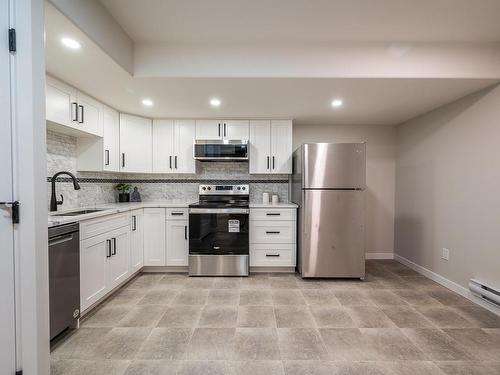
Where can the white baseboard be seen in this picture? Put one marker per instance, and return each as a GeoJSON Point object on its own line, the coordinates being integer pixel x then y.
{"type": "Point", "coordinates": [453, 286]}
{"type": "Point", "coordinates": [379, 256]}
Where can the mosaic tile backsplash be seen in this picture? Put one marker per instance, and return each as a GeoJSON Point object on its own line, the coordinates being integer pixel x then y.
{"type": "Point", "coordinates": [97, 187]}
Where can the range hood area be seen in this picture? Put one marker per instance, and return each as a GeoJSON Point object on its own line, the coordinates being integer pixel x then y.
{"type": "Point", "coordinates": [220, 150]}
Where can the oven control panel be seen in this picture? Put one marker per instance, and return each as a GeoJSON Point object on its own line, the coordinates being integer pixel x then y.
{"type": "Point", "coordinates": [223, 189]}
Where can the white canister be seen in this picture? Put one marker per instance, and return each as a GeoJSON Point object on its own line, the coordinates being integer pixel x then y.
{"type": "Point", "coordinates": [265, 198]}
{"type": "Point", "coordinates": [275, 199]}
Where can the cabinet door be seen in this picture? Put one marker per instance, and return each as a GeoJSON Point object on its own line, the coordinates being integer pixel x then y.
{"type": "Point", "coordinates": [154, 236]}
{"type": "Point", "coordinates": [111, 139]}
{"type": "Point", "coordinates": [135, 144]}
{"type": "Point", "coordinates": [184, 135]}
{"type": "Point", "coordinates": [235, 129]}
{"type": "Point", "coordinates": [281, 146]}
{"type": "Point", "coordinates": [163, 146]}
{"type": "Point", "coordinates": [89, 114]}
{"type": "Point", "coordinates": [136, 240]}
{"type": "Point", "coordinates": [177, 243]}
{"type": "Point", "coordinates": [260, 146]}
{"type": "Point", "coordinates": [94, 259]}
{"type": "Point", "coordinates": [119, 262]}
{"type": "Point", "coordinates": [208, 129]}
{"type": "Point", "coordinates": [60, 102]}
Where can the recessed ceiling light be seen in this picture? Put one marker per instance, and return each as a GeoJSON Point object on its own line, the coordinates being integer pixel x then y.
{"type": "Point", "coordinates": [147, 102]}
{"type": "Point", "coordinates": [215, 102]}
{"type": "Point", "coordinates": [337, 103]}
{"type": "Point", "coordinates": [70, 43]}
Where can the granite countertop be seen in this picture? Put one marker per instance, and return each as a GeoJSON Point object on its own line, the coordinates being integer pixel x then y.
{"type": "Point", "coordinates": [114, 208]}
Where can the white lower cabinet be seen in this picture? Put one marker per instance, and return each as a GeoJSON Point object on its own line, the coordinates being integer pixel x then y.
{"type": "Point", "coordinates": [104, 261]}
{"type": "Point", "coordinates": [154, 236]}
{"type": "Point", "coordinates": [273, 237]}
{"type": "Point", "coordinates": [136, 240]}
{"type": "Point", "coordinates": [177, 242]}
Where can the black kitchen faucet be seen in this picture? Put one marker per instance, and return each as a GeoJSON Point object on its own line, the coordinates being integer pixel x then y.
{"type": "Point", "coordinates": [53, 200]}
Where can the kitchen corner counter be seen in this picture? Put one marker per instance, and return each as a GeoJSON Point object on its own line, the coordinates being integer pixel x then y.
{"type": "Point", "coordinates": [110, 209]}
{"type": "Point", "coordinates": [275, 205]}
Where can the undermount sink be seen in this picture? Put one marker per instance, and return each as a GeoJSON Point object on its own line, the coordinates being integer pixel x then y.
{"type": "Point", "coordinates": [79, 212]}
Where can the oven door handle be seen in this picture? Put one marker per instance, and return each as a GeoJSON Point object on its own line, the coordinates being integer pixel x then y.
{"type": "Point", "coordinates": [219, 211]}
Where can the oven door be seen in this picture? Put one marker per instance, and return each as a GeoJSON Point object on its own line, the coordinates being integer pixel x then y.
{"type": "Point", "coordinates": [220, 150]}
{"type": "Point", "coordinates": [215, 231]}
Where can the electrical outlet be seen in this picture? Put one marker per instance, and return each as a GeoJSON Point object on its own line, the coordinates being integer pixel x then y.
{"type": "Point", "coordinates": [446, 254]}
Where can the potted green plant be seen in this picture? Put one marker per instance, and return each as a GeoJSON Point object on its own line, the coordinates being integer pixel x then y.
{"type": "Point", "coordinates": [123, 192]}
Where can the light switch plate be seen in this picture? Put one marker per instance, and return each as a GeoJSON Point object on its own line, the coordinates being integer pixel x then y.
{"type": "Point", "coordinates": [446, 254]}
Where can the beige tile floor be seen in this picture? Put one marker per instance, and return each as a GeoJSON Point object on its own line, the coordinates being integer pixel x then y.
{"type": "Point", "coordinates": [396, 322]}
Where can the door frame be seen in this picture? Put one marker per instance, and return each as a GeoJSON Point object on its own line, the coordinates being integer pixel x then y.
{"type": "Point", "coordinates": [30, 186]}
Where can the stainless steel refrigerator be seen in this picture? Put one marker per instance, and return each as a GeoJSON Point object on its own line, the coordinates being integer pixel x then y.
{"type": "Point", "coordinates": [328, 184]}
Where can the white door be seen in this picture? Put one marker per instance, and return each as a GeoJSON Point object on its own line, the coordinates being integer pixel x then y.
{"type": "Point", "coordinates": [177, 243]}
{"type": "Point", "coordinates": [95, 254]}
{"type": "Point", "coordinates": [89, 114]}
{"type": "Point", "coordinates": [136, 240]}
{"type": "Point", "coordinates": [111, 139]}
{"type": "Point", "coordinates": [135, 144]}
{"type": "Point", "coordinates": [163, 146]}
{"type": "Point", "coordinates": [7, 287]}
{"type": "Point", "coordinates": [235, 129]}
{"type": "Point", "coordinates": [184, 135]}
{"type": "Point", "coordinates": [281, 146]}
{"type": "Point", "coordinates": [119, 262]}
{"type": "Point", "coordinates": [209, 129]}
{"type": "Point", "coordinates": [154, 236]}
{"type": "Point", "coordinates": [260, 146]}
{"type": "Point", "coordinates": [61, 103]}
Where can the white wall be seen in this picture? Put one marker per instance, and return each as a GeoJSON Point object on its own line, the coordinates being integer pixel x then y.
{"type": "Point", "coordinates": [380, 174]}
{"type": "Point", "coordinates": [447, 189]}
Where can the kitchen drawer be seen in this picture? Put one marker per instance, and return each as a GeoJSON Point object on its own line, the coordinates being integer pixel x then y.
{"type": "Point", "coordinates": [103, 224]}
{"type": "Point", "coordinates": [272, 255]}
{"type": "Point", "coordinates": [177, 213]}
{"type": "Point", "coordinates": [272, 231]}
{"type": "Point", "coordinates": [272, 214]}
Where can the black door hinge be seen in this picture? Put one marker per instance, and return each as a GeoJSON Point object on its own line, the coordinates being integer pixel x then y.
{"type": "Point", "coordinates": [12, 40]}
{"type": "Point", "coordinates": [14, 206]}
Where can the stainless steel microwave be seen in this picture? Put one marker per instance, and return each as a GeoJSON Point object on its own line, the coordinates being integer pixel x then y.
{"type": "Point", "coordinates": [220, 150]}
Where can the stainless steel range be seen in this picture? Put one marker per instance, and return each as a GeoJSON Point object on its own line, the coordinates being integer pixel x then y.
{"type": "Point", "coordinates": [218, 231]}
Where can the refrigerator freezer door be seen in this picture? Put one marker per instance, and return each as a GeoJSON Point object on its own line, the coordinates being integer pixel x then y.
{"type": "Point", "coordinates": [332, 234]}
{"type": "Point", "coordinates": [334, 165]}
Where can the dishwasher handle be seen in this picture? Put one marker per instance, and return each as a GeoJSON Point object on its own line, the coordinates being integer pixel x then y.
{"type": "Point", "coordinates": [60, 239]}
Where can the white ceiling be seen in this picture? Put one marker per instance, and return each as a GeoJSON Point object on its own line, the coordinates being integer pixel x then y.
{"type": "Point", "coordinates": [306, 100]}
{"type": "Point", "coordinates": [304, 20]}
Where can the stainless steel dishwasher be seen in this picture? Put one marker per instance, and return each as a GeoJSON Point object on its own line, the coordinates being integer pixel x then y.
{"type": "Point", "coordinates": [64, 277]}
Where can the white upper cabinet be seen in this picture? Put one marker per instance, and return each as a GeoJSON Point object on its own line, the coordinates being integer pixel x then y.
{"type": "Point", "coordinates": [184, 136]}
{"type": "Point", "coordinates": [222, 129]}
{"type": "Point", "coordinates": [271, 146]}
{"type": "Point", "coordinates": [208, 129]}
{"type": "Point", "coordinates": [281, 146]}
{"type": "Point", "coordinates": [71, 108]}
{"type": "Point", "coordinates": [61, 105]}
{"type": "Point", "coordinates": [111, 140]}
{"type": "Point", "coordinates": [235, 129]}
{"type": "Point", "coordinates": [136, 154]}
{"type": "Point", "coordinates": [89, 114]}
{"type": "Point", "coordinates": [173, 146]}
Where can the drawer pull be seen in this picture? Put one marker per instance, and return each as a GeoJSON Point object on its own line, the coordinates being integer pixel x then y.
{"type": "Point", "coordinates": [273, 214]}
{"type": "Point", "coordinates": [273, 232]}
{"type": "Point", "coordinates": [272, 255]}
{"type": "Point", "coordinates": [177, 213]}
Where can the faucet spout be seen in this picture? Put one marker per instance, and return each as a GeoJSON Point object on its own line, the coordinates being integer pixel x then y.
{"type": "Point", "coordinates": [53, 200]}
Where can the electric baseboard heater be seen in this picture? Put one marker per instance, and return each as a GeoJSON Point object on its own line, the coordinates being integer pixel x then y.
{"type": "Point", "coordinates": [485, 292]}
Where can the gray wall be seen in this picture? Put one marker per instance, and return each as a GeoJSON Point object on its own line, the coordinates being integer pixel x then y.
{"type": "Point", "coordinates": [97, 188]}
{"type": "Point", "coordinates": [380, 174]}
{"type": "Point", "coordinates": [447, 184]}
